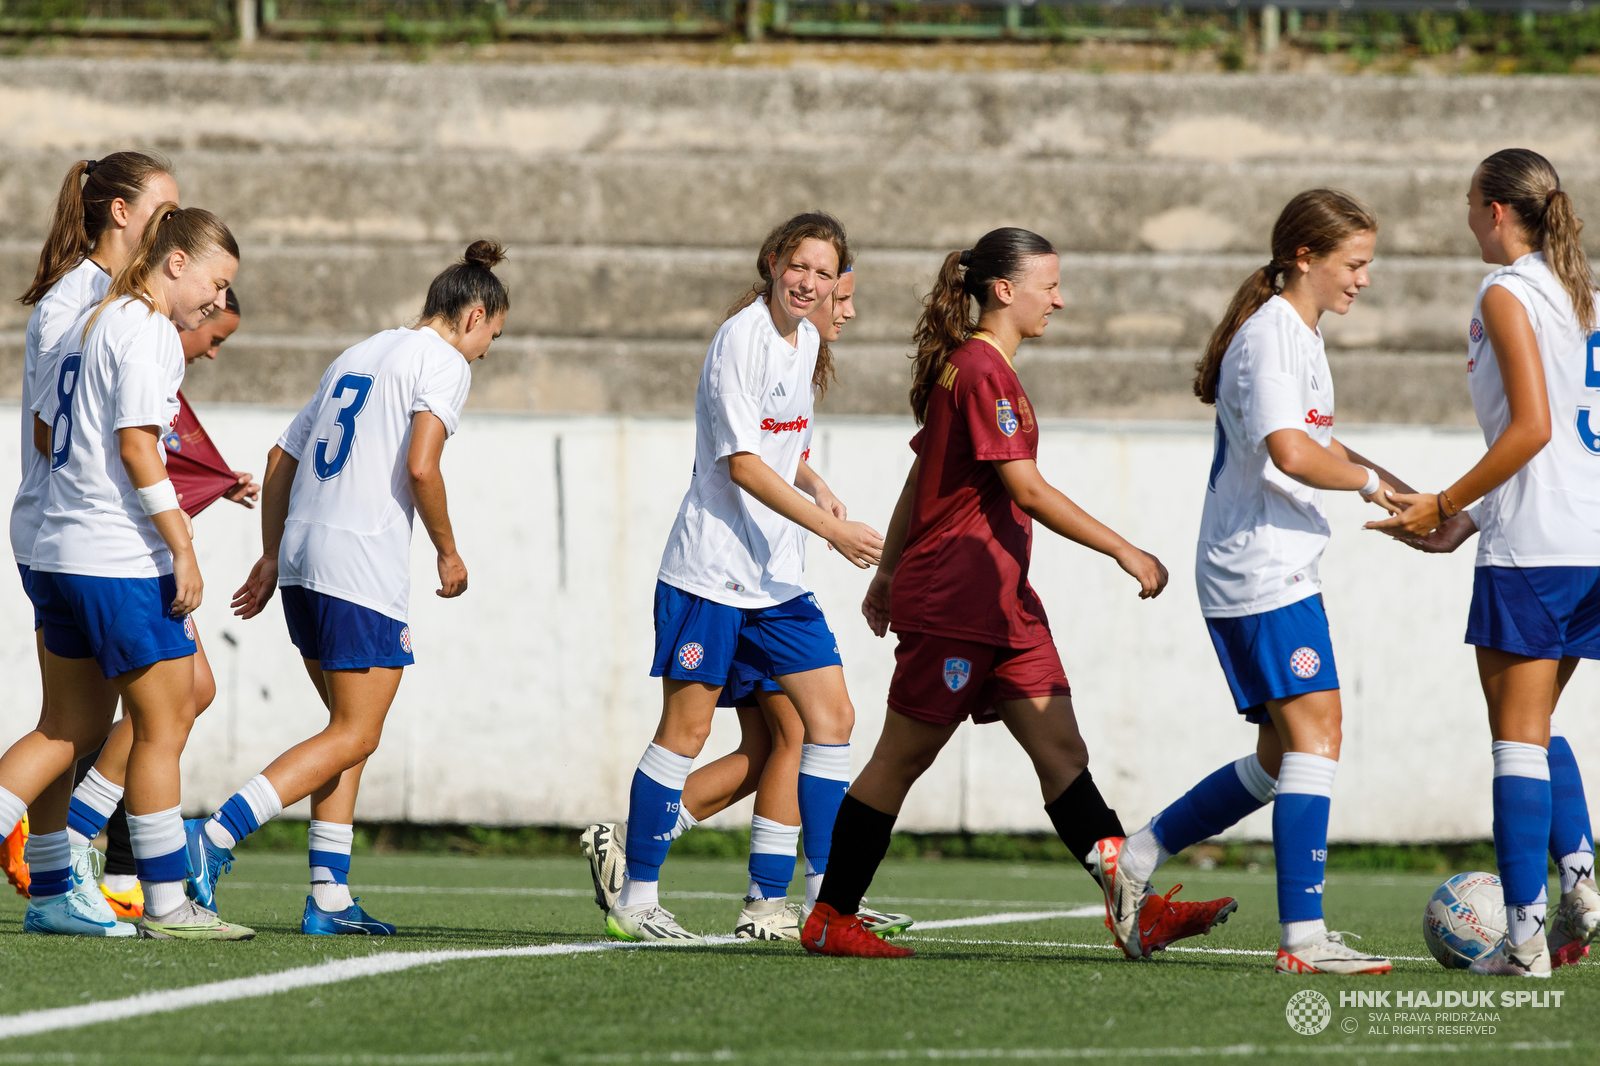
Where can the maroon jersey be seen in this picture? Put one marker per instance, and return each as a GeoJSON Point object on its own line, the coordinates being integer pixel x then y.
{"type": "Point", "coordinates": [963, 572]}
{"type": "Point", "coordinates": [196, 468]}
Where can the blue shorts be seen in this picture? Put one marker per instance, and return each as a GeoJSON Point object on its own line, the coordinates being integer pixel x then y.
{"type": "Point", "coordinates": [123, 623]}
{"type": "Point", "coordinates": [1275, 655]}
{"type": "Point", "coordinates": [701, 640]}
{"type": "Point", "coordinates": [37, 587]}
{"type": "Point", "coordinates": [738, 693]}
{"type": "Point", "coordinates": [340, 635]}
{"type": "Point", "coordinates": [1543, 612]}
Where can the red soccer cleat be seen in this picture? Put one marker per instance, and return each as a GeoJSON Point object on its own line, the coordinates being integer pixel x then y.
{"type": "Point", "coordinates": [11, 850]}
{"type": "Point", "coordinates": [1162, 921]}
{"type": "Point", "coordinates": [828, 932]}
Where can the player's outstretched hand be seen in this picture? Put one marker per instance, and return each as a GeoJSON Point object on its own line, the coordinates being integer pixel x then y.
{"type": "Point", "coordinates": [875, 607]}
{"type": "Point", "coordinates": [1145, 569]}
{"type": "Point", "coordinates": [1383, 497]}
{"type": "Point", "coordinates": [252, 597]}
{"type": "Point", "coordinates": [186, 574]}
{"type": "Point", "coordinates": [859, 543]}
{"type": "Point", "coordinates": [1456, 531]}
{"type": "Point", "coordinates": [452, 576]}
{"type": "Point", "coordinates": [1417, 512]}
{"type": "Point", "coordinates": [246, 492]}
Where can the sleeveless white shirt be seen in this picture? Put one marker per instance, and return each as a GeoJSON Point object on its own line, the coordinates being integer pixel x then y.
{"type": "Point", "coordinates": [1547, 513]}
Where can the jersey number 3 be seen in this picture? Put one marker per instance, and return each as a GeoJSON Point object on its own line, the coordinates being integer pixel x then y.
{"type": "Point", "coordinates": [1591, 380]}
{"type": "Point", "coordinates": [353, 389]}
{"type": "Point", "coordinates": [61, 428]}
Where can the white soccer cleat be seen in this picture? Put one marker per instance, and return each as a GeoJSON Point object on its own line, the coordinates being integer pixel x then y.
{"type": "Point", "coordinates": [1575, 924]}
{"type": "Point", "coordinates": [87, 862]}
{"type": "Point", "coordinates": [603, 845]}
{"type": "Point", "coordinates": [1124, 895]}
{"type": "Point", "coordinates": [883, 923]}
{"type": "Point", "coordinates": [64, 915]}
{"type": "Point", "coordinates": [768, 919]}
{"type": "Point", "coordinates": [1531, 958]}
{"type": "Point", "coordinates": [647, 923]}
{"type": "Point", "coordinates": [1328, 953]}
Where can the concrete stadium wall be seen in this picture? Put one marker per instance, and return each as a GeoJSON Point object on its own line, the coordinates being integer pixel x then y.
{"type": "Point", "coordinates": [633, 199]}
{"type": "Point", "coordinates": [530, 701]}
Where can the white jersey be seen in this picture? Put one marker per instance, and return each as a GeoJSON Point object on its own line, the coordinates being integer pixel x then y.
{"type": "Point", "coordinates": [79, 289]}
{"type": "Point", "coordinates": [1547, 513]}
{"type": "Point", "coordinates": [754, 396]}
{"type": "Point", "coordinates": [1262, 533]}
{"type": "Point", "coordinates": [348, 533]}
{"type": "Point", "coordinates": [127, 373]}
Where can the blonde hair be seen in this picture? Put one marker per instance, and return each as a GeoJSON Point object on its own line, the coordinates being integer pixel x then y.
{"type": "Point", "coordinates": [191, 230]}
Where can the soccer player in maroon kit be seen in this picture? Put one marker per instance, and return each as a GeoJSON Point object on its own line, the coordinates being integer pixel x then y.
{"type": "Point", "coordinates": [953, 585]}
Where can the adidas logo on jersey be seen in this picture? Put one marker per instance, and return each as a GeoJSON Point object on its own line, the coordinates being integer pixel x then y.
{"type": "Point", "coordinates": [779, 390]}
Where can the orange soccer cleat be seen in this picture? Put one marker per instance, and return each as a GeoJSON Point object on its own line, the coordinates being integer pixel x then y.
{"type": "Point", "coordinates": [1162, 920]}
{"type": "Point", "coordinates": [125, 905]}
{"type": "Point", "coordinates": [11, 851]}
{"type": "Point", "coordinates": [828, 932]}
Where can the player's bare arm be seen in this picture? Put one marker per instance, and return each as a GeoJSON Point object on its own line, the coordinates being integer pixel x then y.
{"type": "Point", "coordinates": [810, 482]}
{"type": "Point", "coordinates": [1297, 455]}
{"type": "Point", "coordinates": [1049, 506]}
{"type": "Point", "coordinates": [856, 541]}
{"type": "Point", "coordinates": [875, 607]}
{"type": "Point", "coordinates": [141, 457]}
{"type": "Point", "coordinates": [427, 489]}
{"type": "Point", "coordinates": [253, 596]}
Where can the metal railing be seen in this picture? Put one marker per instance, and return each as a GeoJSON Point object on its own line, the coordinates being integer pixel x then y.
{"type": "Point", "coordinates": [1328, 23]}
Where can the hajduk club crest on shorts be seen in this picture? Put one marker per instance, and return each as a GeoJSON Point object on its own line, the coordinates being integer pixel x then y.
{"type": "Point", "coordinates": [691, 655]}
{"type": "Point", "coordinates": [956, 673]}
{"type": "Point", "coordinates": [1305, 663]}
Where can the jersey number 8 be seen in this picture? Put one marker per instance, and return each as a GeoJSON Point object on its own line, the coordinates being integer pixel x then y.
{"type": "Point", "coordinates": [61, 428]}
{"type": "Point", "coordinates": [1591, 380]}
{"type": "Point", "coordinates": [356, 387]}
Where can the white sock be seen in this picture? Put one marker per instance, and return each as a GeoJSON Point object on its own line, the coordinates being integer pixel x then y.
{"type": "Point", "coordinates": [11, 811]}
{"type": "Point", "coordinates": [635, 893]}
{"type": "Point", "coordinates": [154, 835]}
{"type": "Point", "coordinates": [686, 821]}
{"type": "Point", "coordinates": [161, 898]}
{"type": "Point", "coordinates": [1295, 934]}
{"type": "Point", "coordinates": [1262, 785]}
{"type": "Point", "coordinates": [120, 882]}
{"type": "Point", "coordinates": [331, 895]}
{"type": "Point", "coordinates": [1526, 921]}
{"type": "Point", "coordinates": [48, 851]}
{"type": "Point", "coordinates": [813, 889]}
{"type": "Point", "coordinates": [218, 834]}
{"type": "Point", "coordinates": [1142, 854]}
{"type": "Point", "coordinates": [1579, 866]}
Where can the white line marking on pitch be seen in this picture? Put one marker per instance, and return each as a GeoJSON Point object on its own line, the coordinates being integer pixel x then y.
{"type": "Point", "coordinates": [587, 893]}
{"type": "Point", "coordinates": [1088, 911]}
{"type": "Point", "coordinates": [1102, 947]}
{"type": "Point", "coordinates": [56, 1018]}
{"type": "Point", "coordinates": [1033, 1054]}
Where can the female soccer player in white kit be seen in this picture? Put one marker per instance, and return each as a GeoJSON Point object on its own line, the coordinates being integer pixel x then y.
{"type": "Point", "coordinates": [100, 216]}
{"type": "Point", "coordinates": [341, 487]}
{"type": "Point", "coordinates": [118, 551]}
{"type": "Point", "coordinates": [1262, 534]}
{"type": "Point", "coordinates": [1534, 375]}
{"type": "Point", "coordinates": [731, 600]}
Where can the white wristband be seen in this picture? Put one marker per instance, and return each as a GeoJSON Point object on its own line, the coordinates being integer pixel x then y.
{"type": "Point", "coordinates": [159, 497]}
{"type": "Point", "coordinates": [1372, 482]}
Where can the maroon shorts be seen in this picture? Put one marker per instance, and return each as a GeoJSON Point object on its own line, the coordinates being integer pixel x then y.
{"type": "Point", "coordinates": [944, 681]}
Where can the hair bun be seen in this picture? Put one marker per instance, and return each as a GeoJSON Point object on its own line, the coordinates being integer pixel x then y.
{"type": "Point", "coordinates": [485, 255]}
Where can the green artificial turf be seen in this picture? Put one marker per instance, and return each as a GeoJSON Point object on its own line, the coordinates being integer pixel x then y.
{"type": "Point", "coordinates": [1041, 990]}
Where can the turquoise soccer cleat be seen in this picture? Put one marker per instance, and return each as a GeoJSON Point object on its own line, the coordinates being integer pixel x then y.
{"type": "Point", "coordinates": [205, 862]}
{"type": "Point", "coordinates": [352, 921]}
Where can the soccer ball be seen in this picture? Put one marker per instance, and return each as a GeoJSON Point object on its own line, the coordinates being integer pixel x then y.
{"type": "Point", "coordinates": [1465, 918]}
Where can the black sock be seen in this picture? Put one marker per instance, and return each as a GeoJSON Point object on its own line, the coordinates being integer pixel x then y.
{"type": "Point", "coordinates": [119, 850]}
{"type": "Point", "coordinates": [860, 841]}
{"type": "Point", "coordinates": [1081, 817]}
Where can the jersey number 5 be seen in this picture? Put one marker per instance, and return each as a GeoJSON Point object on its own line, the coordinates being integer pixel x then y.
{"type": "Point", "coordinates": [61, 428]}
{"type": "Point", "coordinates": [1591, 380]}
{"type": "Point", "coordinates": [354, 389]}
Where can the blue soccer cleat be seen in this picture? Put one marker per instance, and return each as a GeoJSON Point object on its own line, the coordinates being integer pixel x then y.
{"type": "Point", "coordinates": [352, 921]}
{"type": "Point", "coordinates": [205, 862]}
{"type": "Point", "coordinates": [66, 915]}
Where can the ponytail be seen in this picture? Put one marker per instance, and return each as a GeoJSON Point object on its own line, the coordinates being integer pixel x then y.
{"type": "Point", "coordinates": [947, 321]}
{"type": "Point", "coordinates": [191, 230]}
{"type": "Point", "coordinates": [1528, 185]}
{"type": "Point", "coordinates": [83, 212]}
{"type": "Point", "coordinates": [779, 246]}
{"type": "Point", "coordinates": [1310, 226]}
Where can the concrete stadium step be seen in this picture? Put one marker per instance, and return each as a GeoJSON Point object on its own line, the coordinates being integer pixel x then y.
{"type": "Point", "coordinates": [532, 110]}
{"type": "Point", "coordinates": [1113, 301]}
{"type": "Point", "coordinates": [691, 200]}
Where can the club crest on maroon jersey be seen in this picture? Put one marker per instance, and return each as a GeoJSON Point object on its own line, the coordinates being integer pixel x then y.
{"type": "Point", "coordinates": [1005, 417]}
{"type": "Point", "coordinates": [956, 674]}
